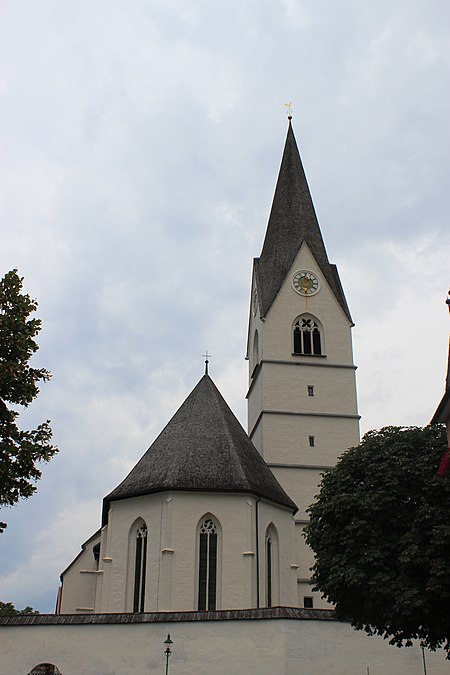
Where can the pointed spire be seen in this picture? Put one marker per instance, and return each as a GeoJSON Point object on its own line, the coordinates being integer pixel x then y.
{"type": "Point", "coordinates": [292, 221]}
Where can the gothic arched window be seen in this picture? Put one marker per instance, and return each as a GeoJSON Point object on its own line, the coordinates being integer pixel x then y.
{"type": "Point", "coordinates": [140, 566]}
{"type": "Point", "coordinates": [307, 334]}
{"type": "Point", "coordinates": [207, 565]}
{"type": "Point", "coordinates": [272, 567]}
{"type": "Point", "coordinates": [255, 349]}
{"type": "Point", "coordinates": [269, 570]}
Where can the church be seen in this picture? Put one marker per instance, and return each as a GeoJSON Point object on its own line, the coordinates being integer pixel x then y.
{"type": "Point", "coordinates": [202, 541]}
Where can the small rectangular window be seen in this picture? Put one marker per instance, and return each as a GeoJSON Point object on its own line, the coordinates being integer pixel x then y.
{"type": "Point", "coordinates": [310, 390]}
{"type": "Point", "coordinates": [312, 442]}
{"type": "Point", "coordinates": [308, 602]}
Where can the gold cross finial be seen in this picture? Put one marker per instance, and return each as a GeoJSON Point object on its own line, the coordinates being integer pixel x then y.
{"type": "Point", "coordinates": [289, 109]}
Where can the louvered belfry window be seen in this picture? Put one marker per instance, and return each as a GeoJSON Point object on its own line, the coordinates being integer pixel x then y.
{"type": "Point", "coordinates": [207, 568]}
{"type": "Point", "coordinates": [140, 569]}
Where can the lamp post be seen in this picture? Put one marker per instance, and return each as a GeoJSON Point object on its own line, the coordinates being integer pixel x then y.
{"type": "Point", "coordinates": [168, 651]}
{"type": "Point", "coordinates": [422, 646]}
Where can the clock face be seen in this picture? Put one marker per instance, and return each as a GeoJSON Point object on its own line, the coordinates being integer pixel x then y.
{"type": "Point", "coordinates": [305, 282]}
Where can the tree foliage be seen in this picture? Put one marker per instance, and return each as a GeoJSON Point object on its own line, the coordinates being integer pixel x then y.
{"type": "Point", "coordinates": [20, 450]}
{"type": "Point", "coordinates": [9, 609]}
{"type": "Point", "coordinates": [380, 531]}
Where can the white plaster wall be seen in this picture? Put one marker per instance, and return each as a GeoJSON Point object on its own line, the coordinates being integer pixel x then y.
{"type": "Point", "coordinates": [257, 438]}
{"type": "Point", "coordinates": [305, 559]}
{"type": "Point", "coordinates": [255, 401]}
{"type": "Point", "coordinates": [172, 520]}
{"type": "Point", "coordinates": [304, 555]}
{"type": "Point", "coordinates": [305, 590]}
{"type": "Point", "coordinates": [286, 388]}
{"type": "Point", "coordinates": [287, 438]}
{"type": "Point", "coordinates": [263, 647]}
{"type": "Point", "coordinates": [281, 386]}
{"type": "Point", "coordinates": [283, 522]}
{"type": "Point", "coordinates": [300, 484]}
{"type": "Point", "coordinates": [288, 305]}
{"type": "Point", "coordinates": [79, 581]}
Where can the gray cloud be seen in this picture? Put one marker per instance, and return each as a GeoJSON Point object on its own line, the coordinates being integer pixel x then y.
{"type": "Point", "coordinates": [140, 157]}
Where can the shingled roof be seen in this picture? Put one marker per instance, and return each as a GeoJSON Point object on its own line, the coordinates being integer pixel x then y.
{"type": "Point", "coordinates": [202, 448]}
{"type": "Point", "coordinates": [292, 221]}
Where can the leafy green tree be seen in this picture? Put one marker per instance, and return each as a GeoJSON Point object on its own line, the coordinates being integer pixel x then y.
{"type": "Point", "coordinates": [8, 609]}
{"type": "Point", "coordinates": [380, 531]}
{"type": "Point", "coordinates": [20, 451]}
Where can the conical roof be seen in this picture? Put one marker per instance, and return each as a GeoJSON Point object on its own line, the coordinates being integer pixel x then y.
{"type": "Point", "coordinates": [292, 221]}
{"type": "Point", "coordinates": [203, 448]}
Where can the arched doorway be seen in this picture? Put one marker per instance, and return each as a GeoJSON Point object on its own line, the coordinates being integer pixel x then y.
{"type": "Point", "coordinates": [45, 669]}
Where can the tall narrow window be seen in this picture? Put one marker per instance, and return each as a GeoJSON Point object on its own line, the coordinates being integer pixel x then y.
{"type": "Point", "coordinates": [207, 567]}
{"type": "Point", "coordinates": [96, 554]}
{"type": "Point", "coordinates": [255, 349]}
{"type": "Point", "coordinates": [269, 571]}
{"type": "Point", "coordinates": [140, 566]}
{"type": "Point", "coordinates": [272, 567]}
{"type": "Point", "coordinates": [307, 336]}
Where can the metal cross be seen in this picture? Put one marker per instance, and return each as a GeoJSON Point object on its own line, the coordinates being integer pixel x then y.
{"type": "Point", "coordinates": [207, 357]}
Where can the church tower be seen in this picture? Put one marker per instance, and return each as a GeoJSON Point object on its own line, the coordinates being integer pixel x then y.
{"type": "Point", "coordinates": [302, 407]}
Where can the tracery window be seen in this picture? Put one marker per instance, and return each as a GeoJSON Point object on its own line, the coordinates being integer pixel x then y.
{"type": "Point", "coordinates": [140, 568]}
{"type": "Point", "coordinates": [308, 336]}
{"type": "Point", "coordinates": [207, 565]}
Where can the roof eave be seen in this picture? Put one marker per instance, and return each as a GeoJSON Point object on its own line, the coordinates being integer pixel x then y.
{"type": "Point", "coordinates": [442, 413]}
{"type": "Point", "coordinates": [288, 503]}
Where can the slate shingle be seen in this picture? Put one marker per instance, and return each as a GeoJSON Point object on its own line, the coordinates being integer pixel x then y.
{"type": "Point", "coordinates": [202, 448]}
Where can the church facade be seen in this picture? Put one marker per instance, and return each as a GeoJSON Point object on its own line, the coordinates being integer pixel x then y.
{"type": "Point", "coordinates": [211, 503]}
{"type": "Point", "coordinates": [200, 523]}
{"type": "Point", "coordinates": [203, 538]}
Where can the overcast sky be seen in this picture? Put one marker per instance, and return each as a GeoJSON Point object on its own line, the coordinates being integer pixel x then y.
{"type": "Point", "coordinates": [141, 143]}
